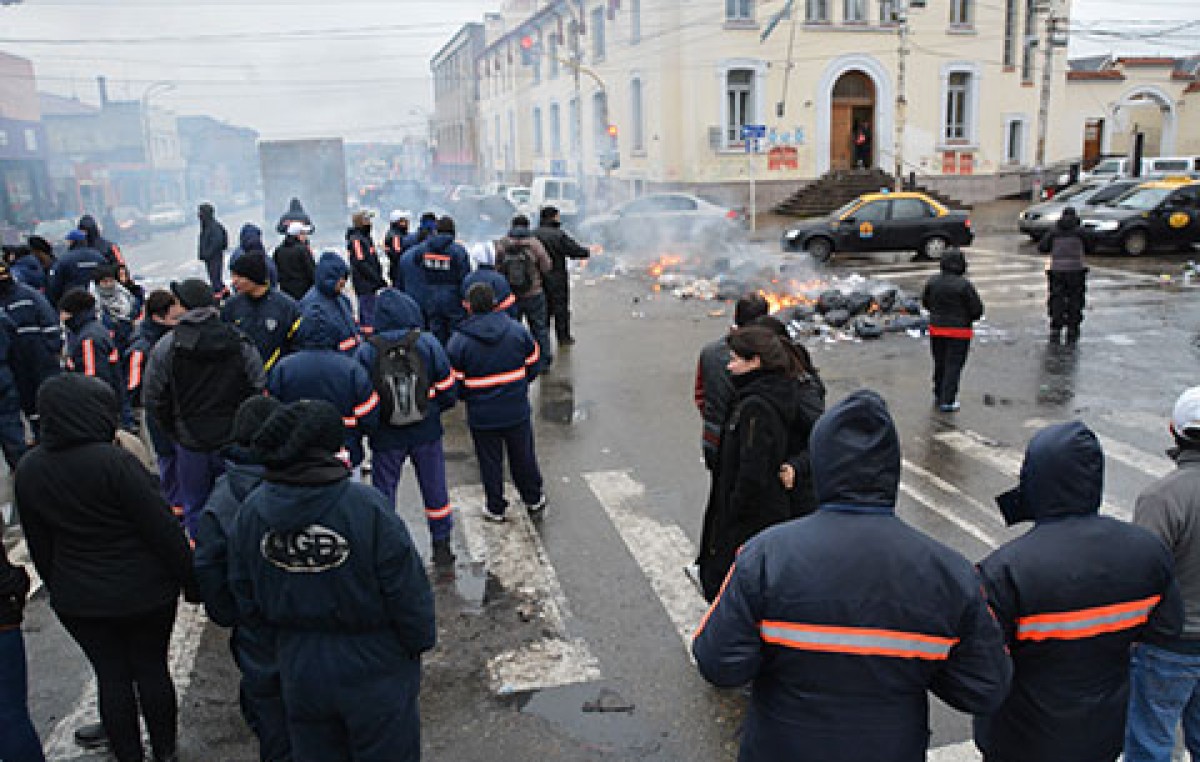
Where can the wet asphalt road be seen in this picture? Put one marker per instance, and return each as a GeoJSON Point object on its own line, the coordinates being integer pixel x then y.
{"type": "Point", "coordinates": [616, 410]}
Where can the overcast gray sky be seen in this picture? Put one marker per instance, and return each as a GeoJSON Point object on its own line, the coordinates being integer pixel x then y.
{"type": "Point", "coordinates": [360, 69]}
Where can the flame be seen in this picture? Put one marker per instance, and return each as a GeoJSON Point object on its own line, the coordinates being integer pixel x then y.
{"type": "Point", "coordinates": [793, 293]}
{"type": "Point", "coordinates": [665, 261]}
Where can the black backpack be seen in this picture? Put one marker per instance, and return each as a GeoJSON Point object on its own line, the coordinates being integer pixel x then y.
{"type": "Point", "coordinates": [401, 379]}
{"type": "Point", "coordinates": [519, 268]}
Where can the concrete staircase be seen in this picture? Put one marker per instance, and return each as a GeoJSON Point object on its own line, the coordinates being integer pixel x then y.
{"type": "Point", "coordinates": [837, 187]}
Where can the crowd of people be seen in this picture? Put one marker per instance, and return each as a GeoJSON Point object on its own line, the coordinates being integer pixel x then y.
{"type": "Point", "coordinates": [265, 400]}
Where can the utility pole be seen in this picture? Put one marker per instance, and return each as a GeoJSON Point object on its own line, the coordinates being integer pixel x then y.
{"type": "Point", "coordinates": [577, 120]}
{"type": "Point", "coordinates": [901, 96]}
{"type": "Point", "coordinates": [1044, 100]}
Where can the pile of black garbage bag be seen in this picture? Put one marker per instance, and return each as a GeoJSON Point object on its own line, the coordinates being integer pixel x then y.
{"type": "Point", "coordinates": [866, 315]}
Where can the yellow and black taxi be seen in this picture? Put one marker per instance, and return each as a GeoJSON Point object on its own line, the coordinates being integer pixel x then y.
{"type": "Point", "coordinates": [882, 222]}
{"type": "Point", "coordinates": [1154, 215]}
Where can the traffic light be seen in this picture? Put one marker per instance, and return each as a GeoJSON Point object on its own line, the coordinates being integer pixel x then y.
{"type": "Point", "coordinates": [531, 50]}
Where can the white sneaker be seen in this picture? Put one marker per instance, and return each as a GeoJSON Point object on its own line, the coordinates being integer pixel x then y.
{"type": "Point", "coordinates": [537, 510]}
{"type": "Point", "coordinates": [495, 518]}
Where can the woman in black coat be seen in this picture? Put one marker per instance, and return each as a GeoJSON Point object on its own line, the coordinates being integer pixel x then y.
{"type": "Point", "coordinates": [747, 493]}
{"type": "Point", "coordinates": [112, 555]}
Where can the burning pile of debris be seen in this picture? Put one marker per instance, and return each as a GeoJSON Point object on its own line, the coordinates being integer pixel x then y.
{"type": "Point", "coordinates": [833, 307]}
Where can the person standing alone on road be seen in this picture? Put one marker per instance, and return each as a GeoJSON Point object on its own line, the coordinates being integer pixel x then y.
{"type": "Point", "coordinates": [1072, 595]}
{"type": "Point", "coordinates": [212, 245]}
{"type": "Point", "coordinates": [1066, 277]}
{"type": "Point", "coordinates": [557, 282]}
{"type": "Point", "coordinates": [1165, 675]}
{"type": "Point", "coordinates": [953, 306]}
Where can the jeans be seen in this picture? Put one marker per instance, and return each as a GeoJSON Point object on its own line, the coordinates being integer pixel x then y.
{"type": "Point", "coordinates": [129, 657]}
{"type": "Point", "coordinates": [18, 739]}
{"type": "Point", "coordinates": [490, 445]}
{"type": "Point", "coordinates": [533, 309]}
{"type": "Point", "coordinates": [949, 357]}
{"type": "Point", "coordinates": [1164, 688]}
{"type": "Point", "coordinates": [429, 460]}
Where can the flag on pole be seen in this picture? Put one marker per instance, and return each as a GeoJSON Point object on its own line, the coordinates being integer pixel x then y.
{"type": "Point", "coordinates": [784, 12]}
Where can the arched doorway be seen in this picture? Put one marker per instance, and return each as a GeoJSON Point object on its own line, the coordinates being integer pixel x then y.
{"type": "Point", "coordinates": [852, 136]}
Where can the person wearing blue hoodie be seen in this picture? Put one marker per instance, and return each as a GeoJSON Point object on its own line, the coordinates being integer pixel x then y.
{"type": "Point", "coordinates": [318, 370]}
{"type": "Point", "coordinates": [326, 299]}
{"type": "Point", "coordinates": [74, 269]}
{"type": "Point", "coordinates": [328, 565]}
{"type": "Point", "coordinates": [251, 642]}
{"type": "Point", "coordinates": [495, 358]}
{"type": "Point", "coordinates": [1073, 595]}
{"type": "Point", "coordinates": [845, 620]}
{"type": "Point", "coordinates": [439, 266]}
{"type": "Point", "coordinates": [250, 239]}
{"type": "Point", "coordinates": [397, 319]}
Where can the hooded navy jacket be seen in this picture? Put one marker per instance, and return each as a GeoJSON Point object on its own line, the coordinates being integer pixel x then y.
{"type": "Point", "coordinates": [213, 533]}
{"type": "Point", "coordinates": [395, 315]}
{"type": "Point", "coordinates": [270, 321]}
{"type": "Point", "coordinates": [494, 358]}
{"type": "Point", "coordinates": [109, 250]}
{"type": "Point", "coordinates": [250, 239]}
{"type": "Point", "coordinates": [28, 270]}
{"type": "Point", "coordinates": [10, 399]}
{"type": "Point", "coordinates": [318, 371]}
{"type": "Point", "coordinates": [845, 619]}
{"type": "Point", "coordinates": [92, 352]}
{"type": "Point", "coordinates": [505, 300]}
{"type": "Point", "coordinates": [1072, 594]}
{"type": "Point", "coordinates": [74, 269]}
{"type": "Point", "coordinates": [323, 299]}
{"type": "Point", "coordinates": [39, 338]}
{"type": "Point", "coordinates": [437, 269]}
{"type": "Point", "coordinates": [365, 266]}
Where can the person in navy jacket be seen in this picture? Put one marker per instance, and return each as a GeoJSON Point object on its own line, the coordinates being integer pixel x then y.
{"type": "Point", "coordinates": [495, 358]}
{"type": "Point", "coordinates": [396, 316]}
{"type": "Point", "coordinates": [264, 313]}
{"type": "Point", "coordinates": [365, 266]}
{"type": "Point", "coordinates": [845, 619]}
{"type": "Point", "coordinates": [318, 371]}
{"type": "Point", "coordinates": [326, 562]}
{"type": "Point", "coordinates": [12, 431]}
{"type": "Point", "coordinates": [252, 643]}
{"type": "Point", "coordinates": [325, 298]}
{"type": "Point", "coordinates": [38, 344]}
{"type": "Point", "coordinates": [75, 269]}
{"type": "Point", "coordinates": [483, 257]}
{"type": "Point", "coordinates": [1073, 594]}
{"type": "Point", "coordinates": [90, 348]}
{"type": "Point", "coordinates": [443, 265]}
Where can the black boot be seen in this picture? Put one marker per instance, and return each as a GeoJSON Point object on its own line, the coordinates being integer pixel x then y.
{"type": "Point", "coordinates": [91, 736]}
{"type": "Point", "coordinates": [442, 554]}
{"type": "Point", "coordinates": [1072, 334]}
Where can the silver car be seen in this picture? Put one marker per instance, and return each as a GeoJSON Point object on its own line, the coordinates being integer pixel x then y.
{"type": "Point", "coordinates": [1039, 219]}
{"type": "Point", "coordinates": [663, 218]}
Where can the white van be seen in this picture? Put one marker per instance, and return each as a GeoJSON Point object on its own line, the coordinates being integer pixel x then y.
{"type": "Point", "coordinates": [1162, 166]}
{"type": "Point", "coordinates": [561, 193]}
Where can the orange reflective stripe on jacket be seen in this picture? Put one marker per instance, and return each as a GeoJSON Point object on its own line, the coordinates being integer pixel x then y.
{"type": "Point", "coordinates": [950, 333]}
{"type": "Point", "coordinates": [1086, 623]}
{"type": "Point", "coordinates": [496, 379]}
{"type": "Point", "coordinates": [857, 641]}
{"type": "Point", "coordinates": [367, 406]}
{"type": "Point", "coordinates": [358, 249]}
{"type": "Point", "coordinates": [535, 355]}
{"type": "Point", "coordinates": [135, 369]}
{"type": "Point", "coordinates": [509, 301]}
{"type": "Point", "coordinates": [89, 357]}
{"type": "Point", "coordinates": [348, 343]}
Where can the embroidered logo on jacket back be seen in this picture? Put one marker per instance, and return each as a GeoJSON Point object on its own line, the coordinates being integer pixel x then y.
{"type": "Point", "coordinates": [310, 550]}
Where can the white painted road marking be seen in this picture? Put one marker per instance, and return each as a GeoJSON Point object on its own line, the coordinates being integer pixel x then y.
{"type": "Point", "coordinates": [514, 555]}
{"type": "Point", "coordinates": [185, 641]}
{"type": "Point", "coordinates": [661, 550]}
{"type": "Point", "coordinates": [948, 512]}
{"type": "Point", "coordinates": [18, 554]}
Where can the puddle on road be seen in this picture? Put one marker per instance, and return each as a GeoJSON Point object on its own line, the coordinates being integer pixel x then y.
{"type": "Point", "coordinates": [556, 402]}
{"type": "Point", "coordinates": [598, 715]}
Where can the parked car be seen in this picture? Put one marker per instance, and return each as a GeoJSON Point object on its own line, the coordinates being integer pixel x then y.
{"type": "Point", "coordinates": [1039, 219]}
{"type": "Point", "coordinates": [1156, 214]}
{"type": "Point", "coordinates": [166, 216]}
{"type": "Point", "coordinates": [883, 222]}
{"type": "Point", "coordinates": [562, 193]}
{"type": "Point", "coordinates": [662, 218]}
{"type": "Point", "coordinates": [55, 231]}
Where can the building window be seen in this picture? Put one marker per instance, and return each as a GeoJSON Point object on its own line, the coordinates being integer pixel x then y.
{"type": "Point", "coordinates": [1027, 46]}
{"type": "Point", "coordinates": [817, 11]}
{"type": "Point", "coordinates": [573, 114]}
{"type": "Point", "coordinates": [638, 126]}
{"type": "Point", "coordinates": [599, 121]}
{"type": "Point", "coordinates": [635, 22]}
{"type": "Point", "coordinates": [552, 54]}
{"type": "Point", "coordinates": [1010, 33]}
{"type": "Point", "coordinates": [555, 130]}
{"type": "Point", "coordinates": [1014, 140]}
{"type": "Point", "coordinates": [887, 12]}
{"type": "Point", "coordinates": [597, 32]}
{"type": "Point", "coordinates": [739, 98]}
{"type": "Point", "coordinates": [739, 10]}
{"type": "Point", "coordinates": [962, 13]}
{"type": "Point", "coordinates": [958, 93]}
{"type": "Point", "coordinates": [538, 147]}
{"type": "Point", "coordinates": [31, 142]}
{"type": "Point", "coordinates": [854, 11]}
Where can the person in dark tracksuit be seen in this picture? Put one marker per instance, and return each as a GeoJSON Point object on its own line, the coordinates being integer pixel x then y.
{"type": "Point", "coordinates": [1072, 594]}
{"type": "Point", "coordinates": [396, 316]}
{"type": "Point", "coordinates": [326, 562]}
{"type": "Point", "coordinates": [326, 299]}
{"type": "Point", "coordinates": [38, 344]}
{"type": "Point", "coordinates": [210, 249]}
{"type": "Point", "coordinates": [252, 643]}
{"type": "Point", "coordinates": [196, 377]}
{"type": "Point", "coordinates": [844, 620]}
{"type": "Point", "coordinates": [557, 282]}
{"type": "Point", "coordinates": [394, 242]}
{"type": "Point", "coordinates": [90, 347]}
{"type": "Point", "coordinates": [269, 317]}
{"type": "Point", "coordinates": [953, 306]}
{"type": "Point", "coordinates": [495, 358]}
{"type": "Point", "coordinates": [365, 268]}
{"type": "Point", "coordinates": [74, 269]}
{"type": "Point", "coordinates": [440, 266]}
{"type": "Point", "coordinates": [1066, 277]}
{"type": "Point", "coordinates": [109, 250]}
{"type": "Point", "coordinates": [318, 370]}
{"type": "Point", "coordinates": [294, 262]}
{"type": "Point", "coordinates": [19, 741]}
{"type": "Point", "coordinates": [162, 314]}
